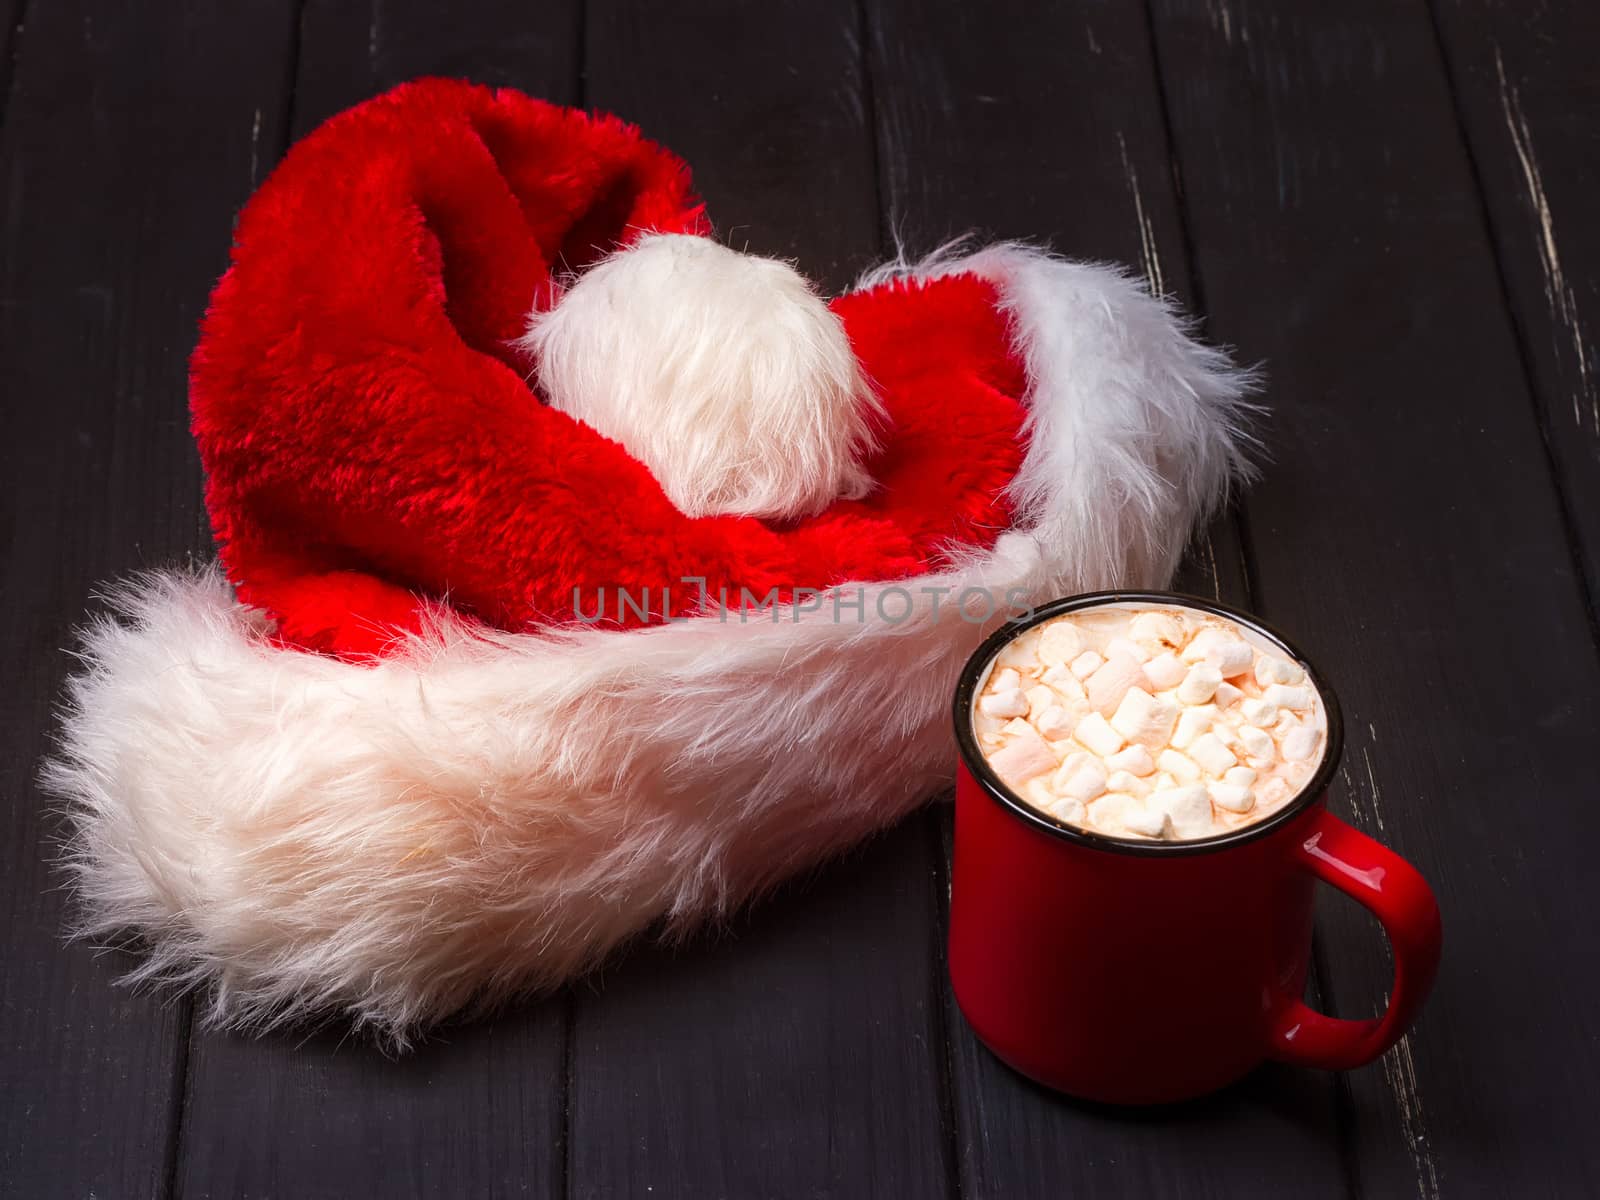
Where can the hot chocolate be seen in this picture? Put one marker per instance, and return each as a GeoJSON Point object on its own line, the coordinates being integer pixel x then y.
{"type": "Point", "coordinates": [1150, 721]}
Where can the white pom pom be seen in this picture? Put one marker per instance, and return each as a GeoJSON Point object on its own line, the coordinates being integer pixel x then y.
{"type": "Point", "coordinates": [723, 373]}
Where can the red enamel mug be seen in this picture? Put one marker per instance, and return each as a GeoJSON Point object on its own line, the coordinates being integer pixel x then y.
{"type": "Point", "coordinates": [1140, 972]}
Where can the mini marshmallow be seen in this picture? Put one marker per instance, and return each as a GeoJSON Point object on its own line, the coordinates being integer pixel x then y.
{"type": "Point", "coordinates": [1055, 723]}
{"type": "Point", "coordinates": [1274, 791]}
{"type": "Point", "coordinates": [1086, 664]}
{"type": "Point", "coordinates": [1231, 657]}
{"type": "Point", "coordinates": [1158, 627]}
{"type": "Point", "coordinates": [1225, 734]}
{"type": "Point", "coordinates": [1165, 671]}
{"type": "Point", "coordinates": [1200, 684]}
{"type": "Point", "coordinates": [1150, 823]}
{"type": "Point", "coordinates": [1037, 792]}
{"type": "Point", "coordinates": [1106, 812]}
{"type": "Point", "coordinates": [1135, 760]}
{"type": "Point", "coordinates": [1144, 719]}
{"type": "Point", "coordinates": [1095, 732]}
{"type": "Point", "coordinates": [1115, 811]}
{"type": "Point", "coordinates": [1180, 766]}
{"type": "Point", "coordinates": [1232, 797]}
{"type": "Point", "coordinates": [1227, 695]}
{"type": "Point", "coordinates": [1070, 764]}
{"type": "Point", "coordinates": [1214, 758]}
{"type": "Point", "coordinates": [1300, 743]}
{"type": "Point", "coordinates": [1022, 758]}
{"type": "Point", "coordinates": [1132, 785]}
{"type": "Point", "coordinates": [1004, 704]}
{"type": "Point", "coordinates": [1020, 653]}
{"type": "Point", "coordinates": [1192, 722]}
{"type": "Point", "coordinates": [1059, 643]}
{"type": "Point", "coordinates": [1065, 808]}
{"type": "Point", "coordinates": [1111, 682]}
{"type": "Point", "coordinates": [1005, 680]}
{"type": "Point", "coordinates": [1271, 670]}
{"type": "Point", "coordinates": [1084, 784]}
{"type": "Point", "coordinates": [1017, 727]}
{"type": "Point", "coordinates": [1258, 712]}
{"type": "Point", "coordinates": [1039, 698]}
{"type": "Point", "coordinates": [1065, 682]}
{"type": "Point", "coordinates": [1239, 776]}
{"type": "Point", "coordinates": [1287, 697]}
{"type": "Point", "coordinates": [1200, 645]}
{"type": "Point", "coordinates": [1189, 808]}
{"type": "Point", "coordinates": [1257, 742]}
{"type": "Point", "coordinates": [1122, 647]}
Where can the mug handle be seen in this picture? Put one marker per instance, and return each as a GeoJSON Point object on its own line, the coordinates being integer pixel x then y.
{"type": "Point", "coordinates": [1402, 901]}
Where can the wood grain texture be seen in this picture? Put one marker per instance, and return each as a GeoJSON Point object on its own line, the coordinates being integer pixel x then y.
{"type": "Point", "coordinates": [962, 101]}
{"type": "Point", "coordinates": [1361, 190]}
{"type": "Point", "coordinates": [798, 1055]}
{"type": "Point", "coordinates": [128, 141]}
{"type": "Point", "coordinates": [348, 52]}
{"type": "Point", "coordinates": [1527, 93]}
{"type": "Point", "coordinates": [11, 13]}
{"type": "Point", "coordinates": [477, 1110]}
{"type": "Point", "coordinates": [767, 105]}
{"type": "Point", "coordinates": [1409, 514]}
{"type": "Point", "coordinates": [474, 1111]}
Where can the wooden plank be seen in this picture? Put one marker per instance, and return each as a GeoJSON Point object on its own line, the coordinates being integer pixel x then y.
{"type": "Point", "coordinates": [10, 39]}
{"type": "Point", "coordinates": [767, 107]}
{"type": "Point", "coordinates": [349, 52]}
{"type": "Point", "coordinates": [473, 1111]}
{"type": "Point", "coordinates": [476, 1110]}
{"type": "Point", "coordinates": [1047, 125]}
{"type": "Point", "coordinates": [119, 193]}
{"type": "Point", "coordinates": [1527, 92]}
{"type": "Point", "coordinates": [1409, 534]}
{"type": "Point", "coordinates": [795, 1053]}
{"type": "Point", "coordinates": [800, 1054]}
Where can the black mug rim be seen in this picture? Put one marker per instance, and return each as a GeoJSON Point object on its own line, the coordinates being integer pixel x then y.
{"type": "Point", "coordinates": [978, 766]}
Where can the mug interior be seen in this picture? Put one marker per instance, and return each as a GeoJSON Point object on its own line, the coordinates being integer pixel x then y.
{"type": "Point", "coordinates": [976, 672]}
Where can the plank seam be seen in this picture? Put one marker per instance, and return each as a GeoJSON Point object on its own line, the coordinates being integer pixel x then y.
{"type": "Point", "coordinates": [569, 1028]}
{"type": "Point", "coordinates": [1344, 1107]}
{"type": "Point", "coordinates": [569, 1001]}
{"type": "Point", "coordinates": [581, 48]}
{"type": "Point", "coordinates": [1343, 1099]}
{"type": "Point", "coordinates": [178, 1111]}
{"type": "Point", "coordinates": [291, 80]}
{"type": "Point", "coordinates": [19, 21]}
{"type": "Point", "coordinates": [949, 1122]}
{"type": "Point", "coordinates": [944, 1048]}
{"type": "Point", "coordinates": [1520, 333]}
{"type": "Point", "coordinates": [869, 116]}
{"type": "Point", "coordinates": [178, 1103]}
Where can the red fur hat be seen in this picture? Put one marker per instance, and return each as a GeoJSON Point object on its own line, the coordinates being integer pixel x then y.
{"type": "Point", "coordinates": [580, 572]}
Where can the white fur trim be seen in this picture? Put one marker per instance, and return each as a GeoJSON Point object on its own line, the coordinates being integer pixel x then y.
{"type": "Point", "coordinates": [723, 373]}
{"type": "Point", "coordinates": [484, 814]}
{"type": "Point", "coordinates": [1137, 431]}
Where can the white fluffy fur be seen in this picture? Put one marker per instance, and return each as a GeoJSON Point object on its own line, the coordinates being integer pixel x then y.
{"type": "Point", "coordinates": [723, 373]}
{"type": "Point", "coordinates": [482, 815]}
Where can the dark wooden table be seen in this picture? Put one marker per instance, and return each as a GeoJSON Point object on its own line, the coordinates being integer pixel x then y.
{"type": "Point", "coordinates": [1391, 205]}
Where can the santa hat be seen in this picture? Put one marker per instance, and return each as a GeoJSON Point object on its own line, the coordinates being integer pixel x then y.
{"type": "Point", "coordinates": [580, 573]}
